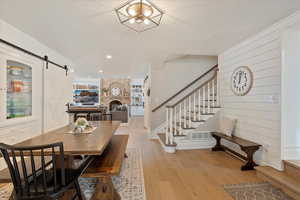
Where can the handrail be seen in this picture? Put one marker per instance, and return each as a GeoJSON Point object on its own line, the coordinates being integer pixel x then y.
{"type": "Point", "coordinates": [192, 92]}
{"type": "Point", "coordinates": [183, 89]}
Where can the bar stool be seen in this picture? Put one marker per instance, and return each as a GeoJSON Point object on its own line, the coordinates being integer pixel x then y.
{"type": "Point", "coordinates": [95, 116]}
{"type": "Point", "coordinates": [106, 117]}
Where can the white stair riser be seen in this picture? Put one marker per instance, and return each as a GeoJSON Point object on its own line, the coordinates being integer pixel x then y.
{"type": "Point", "coordinates": [199, 141]}
{"type": "Point", "coordinates": [208, 144]}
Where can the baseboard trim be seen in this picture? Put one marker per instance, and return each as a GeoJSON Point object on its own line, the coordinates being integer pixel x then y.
{"type": "Point", "coordinates": [204, 144]}
{"type": "Point", "coordinates": [168, 149]}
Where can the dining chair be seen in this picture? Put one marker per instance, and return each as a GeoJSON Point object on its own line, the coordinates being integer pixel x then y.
{"type": "Point", "coordinates": [106, 117]}
{"type": "Point", "coordinates": [41, 174]}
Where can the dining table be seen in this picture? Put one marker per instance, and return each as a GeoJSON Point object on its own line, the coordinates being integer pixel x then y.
{"type": "Point", "coordinates": [85, 144]}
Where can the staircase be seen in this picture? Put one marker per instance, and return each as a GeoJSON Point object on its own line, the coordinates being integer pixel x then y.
{"type": "Point", "coordinates": [287, 180]}
{"type": "Point", "coordinates": [186, 118]}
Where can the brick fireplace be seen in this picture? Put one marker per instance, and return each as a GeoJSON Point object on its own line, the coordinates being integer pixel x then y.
{"type": "Point", "coordinates": [115, 92]}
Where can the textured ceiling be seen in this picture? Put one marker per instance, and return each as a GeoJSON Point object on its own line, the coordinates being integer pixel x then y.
{"type": "Point", "coordinates": [87, 30]}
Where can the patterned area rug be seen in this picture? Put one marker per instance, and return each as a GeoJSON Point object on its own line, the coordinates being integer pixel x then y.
{"type": "Point", "coordinates": [129, 184]}
{"type": "Point", "coordinates": [256, 191]}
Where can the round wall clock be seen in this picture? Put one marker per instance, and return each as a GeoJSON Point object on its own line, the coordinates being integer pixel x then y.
{"type": "Point", "coordinates": [241, 81]}
{"type": "Point", "coordinates": [115, 91]}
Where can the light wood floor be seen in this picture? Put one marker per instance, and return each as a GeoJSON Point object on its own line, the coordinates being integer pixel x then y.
{"type": "Point", "coordinates": [186, 175]}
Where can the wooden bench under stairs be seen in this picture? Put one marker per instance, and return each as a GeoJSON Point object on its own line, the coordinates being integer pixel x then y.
{"type": "Point", "coordinates": [287, 180]}
{"type": "Point", "coordinates": [246, 146]}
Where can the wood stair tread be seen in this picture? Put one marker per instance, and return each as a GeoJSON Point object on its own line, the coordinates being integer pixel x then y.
{"type": "Point", "coordinates": [179, 135]}
{"type": "Point", "coordinates": [207, 106]}
{"type": "Point", "coordinates": [294, 163]}
{"type": "Point", "coordinates": [280, 177]}
{"type": "Point", "coordinates": [188, 128]}
{"type": "Point", "coordinates": [202, 113]}
{"type": "Point", "coordinates": [188, 118]}
{"type": "Point", "coordinates": [162, 138]}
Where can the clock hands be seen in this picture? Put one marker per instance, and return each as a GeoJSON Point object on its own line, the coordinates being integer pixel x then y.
{"type": "Point", "coordinates": [240, 77]}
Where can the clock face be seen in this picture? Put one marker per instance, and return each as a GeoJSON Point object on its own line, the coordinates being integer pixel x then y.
{"type": "Point", "coordinates": [241, 80]}
{"type": "Point", "coordinates": [115, 91]}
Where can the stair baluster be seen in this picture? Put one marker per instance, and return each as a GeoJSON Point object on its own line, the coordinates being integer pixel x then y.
{"type": "Point", "coordinates": [175, 120]}
{"type": "Point", "coordinates": [194, 109]}
{"type": "Point", "coordinates": [199, 104]}
{"type": "Point", "coordinates": [190, 113]}
{"type": "Point", "coordinates": [180, 120]}
{"type": "Point", "coordinates": [184, 113]}
{"type": "Point", "coordinates": [203, 98]}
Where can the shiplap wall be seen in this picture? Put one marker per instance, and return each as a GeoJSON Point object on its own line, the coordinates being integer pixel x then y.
{"type": "Point", "coordinates": [259, 112]}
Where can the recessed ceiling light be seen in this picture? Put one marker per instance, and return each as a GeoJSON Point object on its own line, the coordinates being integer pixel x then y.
{"type": "Point", "coordinates": [109, 56]}
{"type": "Point", "coordinates": [100, 71]}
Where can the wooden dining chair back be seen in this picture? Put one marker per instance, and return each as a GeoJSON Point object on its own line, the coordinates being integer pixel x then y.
{"type": "Point", "coordinates": [36, 171]}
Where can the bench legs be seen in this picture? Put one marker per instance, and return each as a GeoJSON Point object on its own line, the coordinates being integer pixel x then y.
{"type": "Point", "coordinates": [218, 146]}
{"type": "Point", "coordinates": [248, 150]}
{"type": "Point", "coordinates": [105, 190]}
{"type": "Point", "coordinates": [250, 163]}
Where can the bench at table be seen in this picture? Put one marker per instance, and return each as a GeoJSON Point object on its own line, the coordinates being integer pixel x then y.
{"type": "Point", "coordinates": [107, 165]}
{"type": "Point", "coordinates": [247, 146]}
{"type": "Point", "coordinates": [103, 167]}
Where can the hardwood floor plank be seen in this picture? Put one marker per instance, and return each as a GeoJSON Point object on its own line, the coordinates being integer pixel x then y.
{"type": "Point", "coordinates": [186, 175]}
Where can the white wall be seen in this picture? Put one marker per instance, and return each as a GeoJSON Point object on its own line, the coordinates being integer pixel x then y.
{"type": "Point", "coordinates": [259, 112]}
{"type": "Point", "coordinates": [57, 88]}
{"type": "Point", "coordinates": [172, 77]}
{"type": "Point", "coordinates": [290, 95]}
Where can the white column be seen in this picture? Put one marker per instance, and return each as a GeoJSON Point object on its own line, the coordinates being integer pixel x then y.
{"type": "Point", "coordinates": [175, 120]}
{"type": "Point", "coordinates": [218, 89]}
{"type": "Point", "coordinates": [167, 126]}
{"type": "Point", "coordinates": [180, 118]}
{"type": "Point", "coordinates": [171, 127]}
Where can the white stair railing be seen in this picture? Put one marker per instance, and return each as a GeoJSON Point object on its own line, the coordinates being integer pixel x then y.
{"type": "Point", "coordinates": [190, 108]}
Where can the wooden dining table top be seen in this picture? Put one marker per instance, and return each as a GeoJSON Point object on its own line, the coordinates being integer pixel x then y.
{"type": "Point", "coordinates": [82, 144]}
